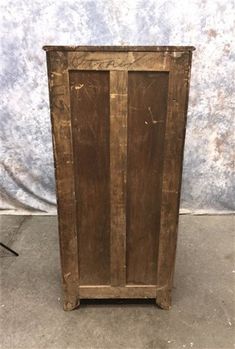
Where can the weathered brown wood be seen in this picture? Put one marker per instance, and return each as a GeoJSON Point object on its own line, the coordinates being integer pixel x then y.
{"type": "Point", "coordinates": [172, 173]}
{"type": "Point", "coordinates": [118, 118]}
{"type": "Point", "coordinates": [118, 163]}
{"type": "Point", "coordinates": [120, 48]}
{"type": "Point", "coordinates": [63, 159]}
{"type": "Point", "coordinates": [140, 61]}
{"type": "Point", "coordinates": [146, 125]}
{"type": "Point", "coordinates": [89, 93]}
{"type": "Point", "coordinates": [99, 292]}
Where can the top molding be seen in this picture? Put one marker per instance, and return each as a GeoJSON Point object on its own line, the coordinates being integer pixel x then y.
{"type": "Point", "coordinates": [121, 48]}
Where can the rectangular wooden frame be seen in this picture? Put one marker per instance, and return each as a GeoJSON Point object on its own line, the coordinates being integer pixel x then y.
{"type": "Point", "coordinates": [118, 60]}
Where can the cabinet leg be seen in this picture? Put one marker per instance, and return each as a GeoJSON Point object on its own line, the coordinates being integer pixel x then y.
{"type": "Point", "coordinates": [163, 298]}
{"type": "Point", "coordinates": [71, 304]}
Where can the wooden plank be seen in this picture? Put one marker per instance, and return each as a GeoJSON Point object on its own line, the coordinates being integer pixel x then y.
{"type": "Point", "coordinates": [172, 171]}
{"type": "Point", "coordinates": [147, 93]}
{"type": "Point", "coordinates": [118, 163]}
{"type": "Point", "coordinates": [152, 61]}
{"type": "Point", "coordinates": [63, 159]}
{"type": "Point", "coordinates": [120, 48]}
{"type": "Point", "coordinates": [99, 292]}
{"type": "Point", "coordinates": [90, 121]}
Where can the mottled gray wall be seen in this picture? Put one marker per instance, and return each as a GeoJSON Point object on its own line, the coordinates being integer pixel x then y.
{"type": "Point", "coordinates": [27, 176]}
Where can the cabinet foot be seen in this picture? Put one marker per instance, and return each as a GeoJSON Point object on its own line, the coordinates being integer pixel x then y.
{"type": "Point", "coordinates": [71, 304]}
{"type": "Point", "coordinates": [163, 298]}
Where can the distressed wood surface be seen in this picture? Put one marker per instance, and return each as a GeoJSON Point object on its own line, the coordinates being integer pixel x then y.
{"type": "Point", "coordinates": [153, 61]}
{"type": "Point", "coordinates": [99, 292]}
{"type": "Point", "coordinates": [118, 120]}
{"type": "Point", "coordinates": [172, 173]}
{"type": "Point", "coordinates": [64, 171]}
{"type": "Point", "coordinates": [118, 164]}
{"type": "Point", "coordinates": [146, 126]}
{"type": "Point", "coordinates": [120, 48]}
{"type": "Point", "coordinates": [90, 121]}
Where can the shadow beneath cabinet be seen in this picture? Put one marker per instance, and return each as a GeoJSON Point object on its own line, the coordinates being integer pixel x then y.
{"type": "Point", "coordinates": [119, 301]}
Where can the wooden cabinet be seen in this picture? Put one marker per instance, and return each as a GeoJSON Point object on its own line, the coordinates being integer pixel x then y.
{"type": "Point", "coordinates": [118, 120]}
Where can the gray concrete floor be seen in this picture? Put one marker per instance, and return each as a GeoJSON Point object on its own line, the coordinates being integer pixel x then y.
{"type": "Point", "coordinates": [202, 316]}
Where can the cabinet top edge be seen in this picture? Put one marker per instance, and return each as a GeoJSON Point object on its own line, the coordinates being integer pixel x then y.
{"type": "Point", "coordinates": [120, 48]}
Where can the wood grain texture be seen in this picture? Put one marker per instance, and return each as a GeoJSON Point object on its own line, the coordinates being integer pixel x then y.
{"type": "Point", "coordinates": [172, 173]}
{"type": "Point", "coordinates": [147, 107]}
{"type": "Point", "coordinates": [64, 171]}
{"type": "Point", "coordinates": [118, 163]}
{"type": "Point", "coordinates": [90, 121]}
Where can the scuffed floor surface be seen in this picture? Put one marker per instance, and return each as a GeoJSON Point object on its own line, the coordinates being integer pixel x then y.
{"type": "Point", "coordinates": [202, 316]}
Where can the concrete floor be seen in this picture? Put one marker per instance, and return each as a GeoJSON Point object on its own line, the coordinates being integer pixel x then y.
{"type": "Point", "coordinates": [202, 316]}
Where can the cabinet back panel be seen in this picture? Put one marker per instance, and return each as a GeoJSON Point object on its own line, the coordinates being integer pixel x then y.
{"type": "Point", "coordinates": [89, 94]}
{"type": "Point", "coordinates": [147, 108]}
{"type": "Point", "coordinates": [118, 120]}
